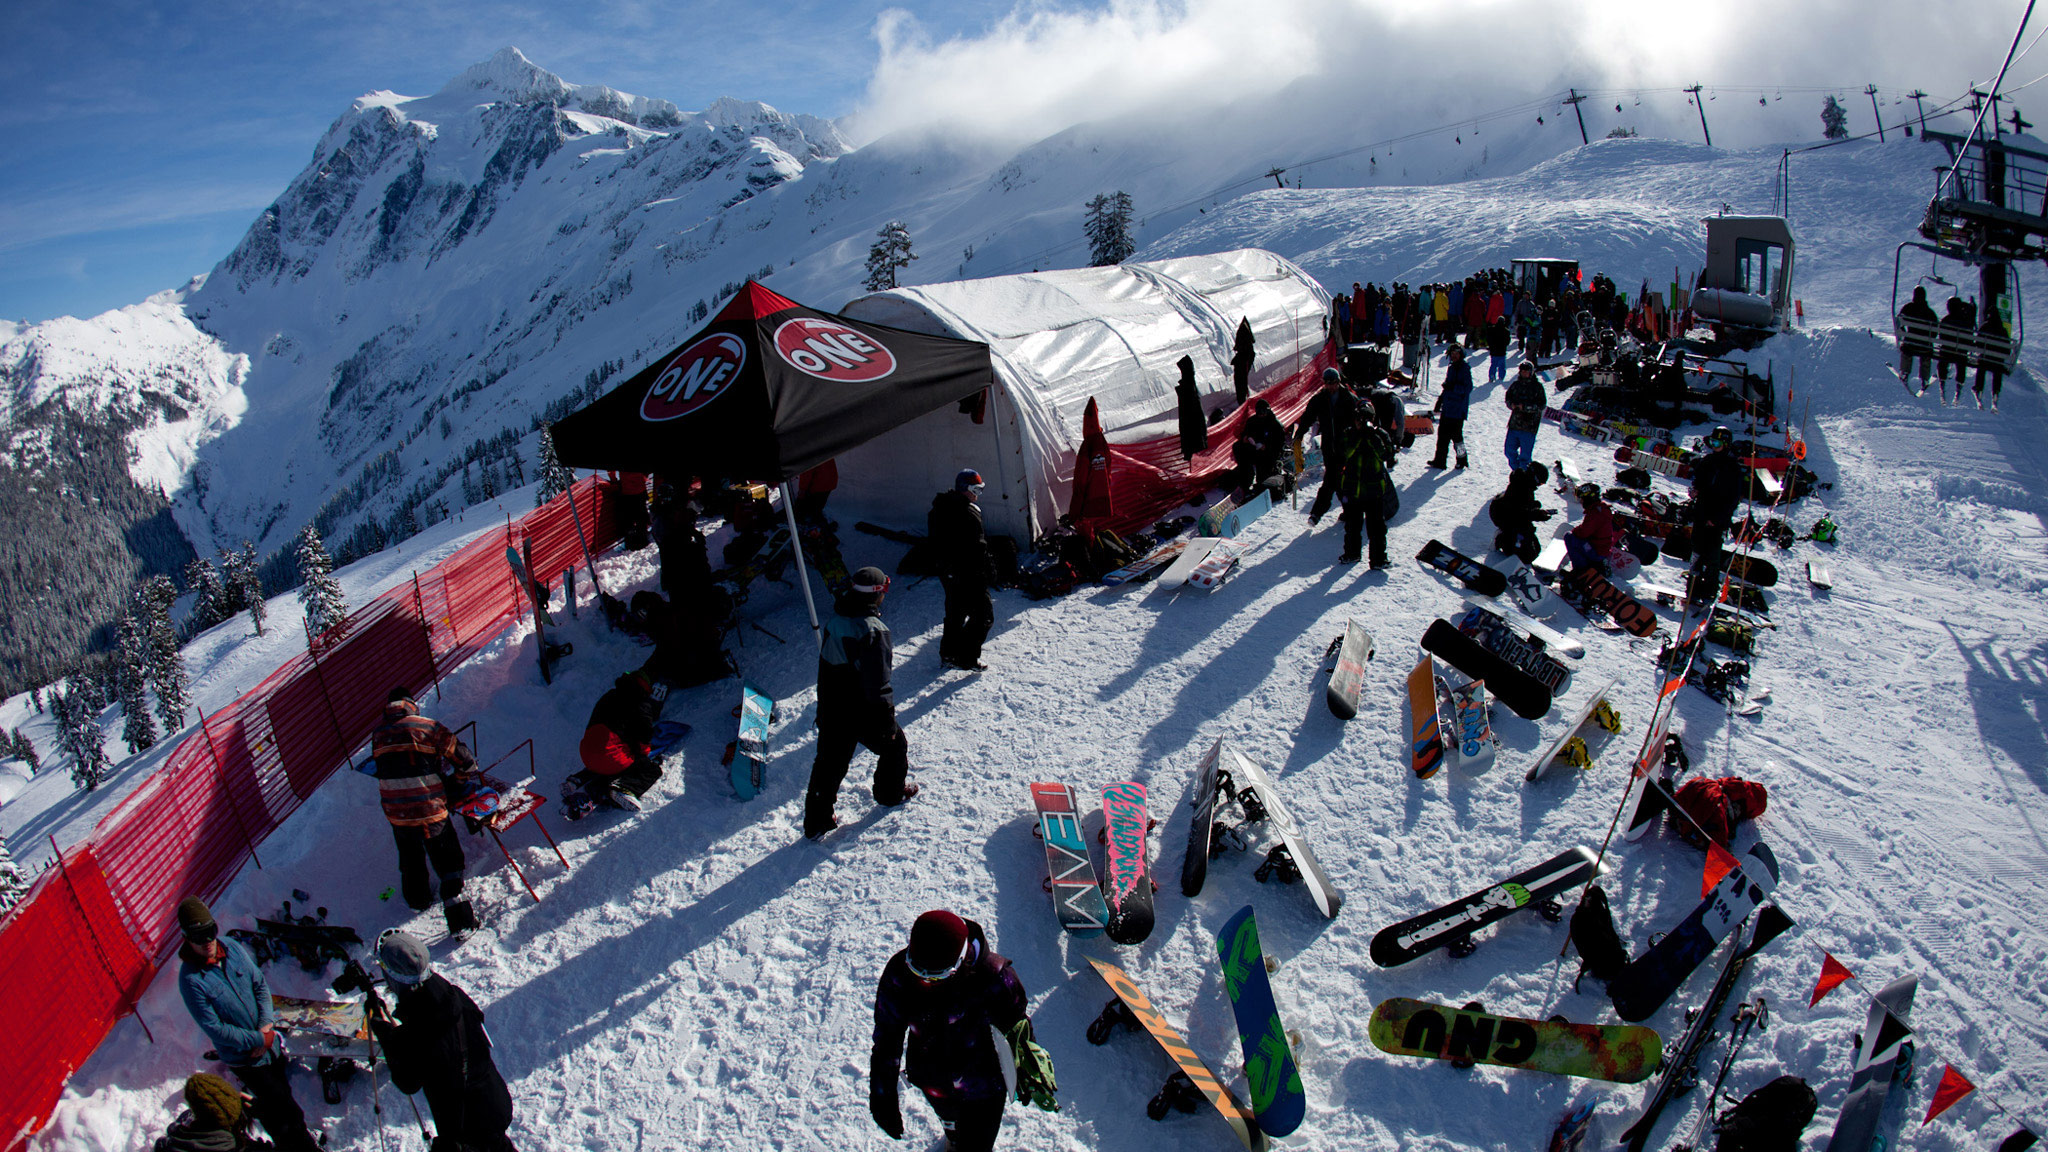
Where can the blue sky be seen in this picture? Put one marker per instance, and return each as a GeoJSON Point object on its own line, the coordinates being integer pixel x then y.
{"type": "Point", "coordinates": [141, 139]}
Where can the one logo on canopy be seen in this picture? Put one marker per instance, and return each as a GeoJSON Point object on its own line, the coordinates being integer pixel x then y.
{"type": "Point", "coordinates": [698, 375]}
{"type": "Point", "coordinates": [830, 350]}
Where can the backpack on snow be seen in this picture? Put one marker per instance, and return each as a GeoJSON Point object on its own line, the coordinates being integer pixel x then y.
{"type": "Point", "coordinates": [1716, 807]}
{"type": "Point", "coordinates": [1602, 955]}
{"type": "Point", "coordinates": [1770, 1119]}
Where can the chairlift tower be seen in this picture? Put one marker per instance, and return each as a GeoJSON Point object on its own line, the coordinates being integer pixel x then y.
{"type": "Point", "coordinates": [1989, 210]}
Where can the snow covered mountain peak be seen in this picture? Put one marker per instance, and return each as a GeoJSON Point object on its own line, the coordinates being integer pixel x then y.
{"type": "Point", "coordinates": [509, 75]}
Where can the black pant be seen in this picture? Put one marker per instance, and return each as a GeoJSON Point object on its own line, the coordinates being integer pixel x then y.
{"type": "Point", "coordinates": [417, 845]}
{"type": "Point", "coordinates": [1449, 432]}
{"type": "Point", "coordinates": [274, 1106]}
{"type": "Point", "coordinates": [1365, 510]}
{"type": "Point", "coordinates": [970, 612]}
{"type": "Point", "coordinates": [1706, 552]}
{"type": "Point", "coordinates": [836, 742]}
{"type": "Point", "coordinates": [971, 1125]}
{"type": "Point", "coordinates": [1997, 380]}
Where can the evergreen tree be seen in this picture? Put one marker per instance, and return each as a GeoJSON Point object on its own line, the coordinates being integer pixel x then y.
{"type": "Point", "coordinates": [166, 661]}
{"type": "Point", "coordinates": [79, 731]}
{"type": "Point", "coordinates": [35, 697]}
{"type": "Point", "coordinates": [890, 253]}
{"type": "Point", "coordinates": [138, 730]}
{"type": "Point", "coordinates": [699, 311]}
{"type": "Point", "coordinates": [246, 579]}
{"type": "Point", "coordinates": [209, 594]}
{"type": "Point", "coordinates": [1108, 227]}
{"type": "Point", "coordinates": [14, 883]}
{"type": "Point", "coordinates": [319, 591]}
{"type": "Point", "coordinates": [25, 749]}
{"type": "Point", "coordinates": [554, 478]}
{"type": "Point", "coordinates": [1834, 119]}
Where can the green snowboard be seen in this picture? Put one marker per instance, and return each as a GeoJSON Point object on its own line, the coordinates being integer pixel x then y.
{"type": "Point", "coordinates": [1623, 1053]}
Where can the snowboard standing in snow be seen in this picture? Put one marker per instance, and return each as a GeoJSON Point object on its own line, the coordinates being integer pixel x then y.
{"type": "Point", "coordinates": [1621, 1053]}
{"type": "Point", "coordinates": [1070, 874]}
{"type": "Point", "coordinates": [1132, 1007]}
{"type": "Point", "coordinates": [1597, 710]}
{"type": "Point", "coordinates": [747, 759]}
{"type": "Point", "coordinates": [1883, 1051]}
{"type": "Point", "coordinates": [1523, 695]}
{"type": "Point", "coordinates": [1278, 1100]}
{"type": "Point", "coordinates": [1681, 1064]}
{"type": "Point", "coordinates": [1453, 924]}
{"type": "Point", "coordinates": [1126, 884]}
{"type": "Point", "coordinates": [1467, 571]}
{"type": "Point", "coordinates": [1650, 979]}
{"type": "Point", "coordinates": [1290, 859]}
{"type": "Point", "coordinates": [1425, 729]}
{"type": "Point", "coordinates": [537, 592]}
{"type": "Point", "coordinates": [1347, 672]}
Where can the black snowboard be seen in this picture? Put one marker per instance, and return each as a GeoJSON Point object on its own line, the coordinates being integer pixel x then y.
{"type": "Point", "coordinates": [1469, 572]}
{"type": "Point", "coordinates": [1750, 569]}
{"type": "Point", "coordinates": [1438, 927]}
{"type": "Point", "coordinates": [1521, 692]}
{"type": "Point", "coordinates": [1650, 979]}
{"type": "Point", "coordinates": [1194, 867]}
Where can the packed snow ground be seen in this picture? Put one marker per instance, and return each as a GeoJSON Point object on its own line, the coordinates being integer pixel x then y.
{"type": "Point", "coordinates": [701, 976]}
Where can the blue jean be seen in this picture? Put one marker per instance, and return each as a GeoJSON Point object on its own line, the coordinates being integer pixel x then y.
{"type": "Point", "coordinates": [1498, 370]}
{"type": "Point", "coordinates": [1521, 449]}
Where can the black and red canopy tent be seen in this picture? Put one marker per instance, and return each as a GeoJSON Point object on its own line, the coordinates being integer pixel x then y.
{"type": "Point", "coordinates": [768, 389]}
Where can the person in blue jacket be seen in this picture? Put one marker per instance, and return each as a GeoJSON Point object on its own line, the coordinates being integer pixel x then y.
{"type": "Point", "coordinates": [224, 989]}
{"type": "Point", "coordinates": [1452, 406]}
{"type": "Point", "coordinates": [857, 705]}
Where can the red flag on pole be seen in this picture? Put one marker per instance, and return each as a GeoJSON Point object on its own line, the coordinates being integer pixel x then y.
{"type": "Point", "coordinates": [1720, 862]}
{"type": "Point", "coordinates": [1832, 973]}
{"type": "Point", "coordinates": [1951, 1089]}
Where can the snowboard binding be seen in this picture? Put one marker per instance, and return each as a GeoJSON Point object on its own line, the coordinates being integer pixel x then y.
{"type": "Point", "coordinates": [1462, 947]}
{"type": "Point", "coordinates": [1278, 863]}
{"type": "Point", "coordinates": [1115, 1014]}
{"type": "Point", "coordinates": [335, 1073]}
{"type": "Point", "coordinates": [1576, 754]}
{"type": "Point", "coordinates": [1606, 717]}
{"type": "Point", "coordinates": [1179, 1094]}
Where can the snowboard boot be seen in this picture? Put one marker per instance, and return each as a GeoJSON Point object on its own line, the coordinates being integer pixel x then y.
{"type": "Point", "coordinates": [1436, 463]}
{"type": "Point", "coordinates": [1462, 462]}
{"type": "Point", "coordinates": [909, 790]}
{"type": "Point", "coordinates": [817, 835]}
{"type": "Point", "coordinates": [460, 916]}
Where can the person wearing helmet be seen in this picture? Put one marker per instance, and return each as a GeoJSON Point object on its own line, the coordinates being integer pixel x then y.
{"type": "Point", "coordinates": [1525, 414]}
{"type": "Point", "coordinates": [414, 758]}
{"type": "Point", "coordinates": [1718, 483]}
{"type": "Point", "coordinates": [436, 1043]}
{"type": "Point", "coordinates": [1453, 404]}
{"type": "Point", "coordinates": [947, 990]}
{"type": "Point", "coordinates": [965, 571]}
{"type": "Point", "coordinates": [617, 748]}
{"type": "Point", "coordinates": [1515, 511]}
{"type": "Point", "coordinates": [1586, 546]}
{"type": "Point", "coordinates": [856, 704]}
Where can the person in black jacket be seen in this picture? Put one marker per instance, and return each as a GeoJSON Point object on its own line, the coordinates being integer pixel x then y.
{"type": "Point", "coordinates": [1515, 513]}
{"type": "Point", "coordinates": [1329, 412]}
{"type": "Point", "coordinates": [617, 747]}
{"type": "Point", "coordinates": [1259, 448]}
{"type": "Point", "coordinates": [857, 704]}
{"type": "Point", "coordinates": [1243, 355]}
{"type": "Point", "coordinates": [1917, 327]}
{"type": "Point", "coordinates": [947, 990]}
{"type": "Point", "coordinates": [965, 571]}
{"type": "Point", "coordinates": [1956, 330]}
{"type": "Point", "coordinates": [1718, 482]}
{"type": "Point", "coordinates": [1994, 343]}
{"type": "Point", "coordinates": [437, 1044]}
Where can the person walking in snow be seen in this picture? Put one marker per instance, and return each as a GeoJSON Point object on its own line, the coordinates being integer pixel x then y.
{"type": "Point", "coordinates": [1329, 413]}
{"type": "Point", "coordinates": [965, 571]}
{"type": "Point", "coordinates": [1525, 415]}
{"type": "Point", "coordinates": [617, 748]}
{"type": "Point", "coordinates": [1360, 473]}
{"type": "Point", "coordinates": [946, 991]}
{"type": "Point", "coordinates": [1497, 338]}
{"type": "Point", "coordinates": [1917, 327]}
{"type": "Point", "coordinates": [1453, 404]}
{"type": "Point", "coordinates": [415, 758]}
{"type": "Point", "coordinates": [857, 705]}
{"type": "Point", "coordinates": [224, 990]}
{"type": "Point", "coordinates": [436, 1043]}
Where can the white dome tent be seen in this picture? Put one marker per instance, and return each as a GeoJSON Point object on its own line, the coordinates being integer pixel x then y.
{"type": "Point", "coordinates": [1057, 339]}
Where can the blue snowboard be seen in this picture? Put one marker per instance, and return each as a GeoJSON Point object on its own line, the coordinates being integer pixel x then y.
{"type": "Point", "coordinates": [1269, 1069]}
{"type": "Point", "coordinates": [1650, 979]}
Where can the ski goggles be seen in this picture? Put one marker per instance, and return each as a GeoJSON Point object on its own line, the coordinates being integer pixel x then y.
{"type": "Point", "coordinates": [935, 977]}
{"type": "Point", "coordinates": [873, 588]}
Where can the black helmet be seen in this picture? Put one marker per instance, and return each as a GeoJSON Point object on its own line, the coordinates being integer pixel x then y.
{"type": "Point", "coordinates": [1538, 472]}
{"type": "Point", "coordinates": [1587, 492]}
{"type": "Point", "coordinates": [1720, 437]}
{"type": "Point", "coordinates": [1331, 376]}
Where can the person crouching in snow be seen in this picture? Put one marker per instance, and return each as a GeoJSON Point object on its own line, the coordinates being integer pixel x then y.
{"type": "Point", "coordinates": [617, 747]}
{"type": "Point", "coordinates": [1515, 513]}
{"type": "Point", "coordinates": [1588, 544]}
{"type": "Point", "coordinates": [947, 989]}
{"type": "Point", "coordinates": [436, 1044]}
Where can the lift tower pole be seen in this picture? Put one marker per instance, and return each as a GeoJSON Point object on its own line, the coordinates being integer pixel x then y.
{"type": "Point", "coordinates": [1694, 91]}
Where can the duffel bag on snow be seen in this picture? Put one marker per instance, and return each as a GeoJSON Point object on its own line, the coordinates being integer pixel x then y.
{"type": "Point", "coordinates": [1716, 807]}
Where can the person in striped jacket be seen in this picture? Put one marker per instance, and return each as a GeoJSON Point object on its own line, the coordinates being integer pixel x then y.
{"type": "Point", "coordinates": [415, 756]}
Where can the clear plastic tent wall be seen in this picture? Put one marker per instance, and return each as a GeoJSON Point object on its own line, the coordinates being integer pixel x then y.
{"type": "Point", "coordinates": [1059, 338]}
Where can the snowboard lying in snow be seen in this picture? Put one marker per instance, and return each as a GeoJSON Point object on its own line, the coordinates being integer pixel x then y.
{"type": "Point", "coordinates": [1137, 1009]}
{"type": "Point", "coordinates": [1621, 1053]}
{"type": "Point", "coordinates": [1455, 922]}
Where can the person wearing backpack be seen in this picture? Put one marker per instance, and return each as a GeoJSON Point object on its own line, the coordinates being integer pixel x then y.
{"type": "Point", "coordinates": [1360, 474]}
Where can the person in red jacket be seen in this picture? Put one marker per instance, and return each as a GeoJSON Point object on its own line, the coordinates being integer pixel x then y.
{"type": "Point", "coordinates": [617, 748]}
{"type": "Point", "coordinates": [1589, 543]}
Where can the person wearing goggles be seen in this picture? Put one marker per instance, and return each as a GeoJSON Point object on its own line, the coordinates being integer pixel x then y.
{"type": "Point", "coordinates": [857, 705]}
{"type": "Point", "coordinates": [946, 990]}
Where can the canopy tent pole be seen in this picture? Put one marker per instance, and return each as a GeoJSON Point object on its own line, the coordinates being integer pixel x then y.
{"type": "Point", "coordinates": [796, 548]}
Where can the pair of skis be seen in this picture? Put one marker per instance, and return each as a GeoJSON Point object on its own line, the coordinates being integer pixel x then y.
{"type": "Point", "coordinates": [1121, 904]}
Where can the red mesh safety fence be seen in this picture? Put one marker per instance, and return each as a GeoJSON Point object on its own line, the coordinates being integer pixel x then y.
{"type": "Point", "coordinates": [80, 948]}
{"type": "Point", "coordinates": [1152, 478]}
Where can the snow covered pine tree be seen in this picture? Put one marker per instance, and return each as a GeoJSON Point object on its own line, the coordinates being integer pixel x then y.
{"type": "Point", "coordinates": [319, 591]}
{"type": "Point", "coordinates": [1109, 229]}
{"type": "Point", "coordinates": [138, 729]}
{"type": "Point", "coordinates": [890, 253]}
{"type": "Point", "coordinates": [554, 478]}
{"type": "Point", "coordinates": [14, 882]}
{"type": "Point", "coordinates": [79, 731]}
{"type": "Point", "coordinates": [246, 582]}
{"type": "Point", "coordinates": [166, 668]}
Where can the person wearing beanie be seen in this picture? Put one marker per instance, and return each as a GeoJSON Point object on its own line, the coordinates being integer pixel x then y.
{"type": "Point", "coordinates": [856, 704]}
{"type": "Point", "coordinates": [1525, 415]}
{"type": "Point", "coordinates": [1453, 405]}
{"type": "Point", "coordinates": [1329, 414]}
{"type": "Point", "coordinates": [434, 1041]}
{"type": "Point", "coordinates": [618, 747]}
{"type": "Point", "coordinates": [946, 990]}
{"type": "Point", "coordinates": [213, 1120]}
{"type": "Point", "coordinates": [414, 757]}
{"type": "Point", "coordinates": [224, 990]}
{"type": "Point", "coordinates": [965, 570]}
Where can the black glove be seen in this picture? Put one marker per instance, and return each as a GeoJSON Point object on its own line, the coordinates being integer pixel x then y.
{"type": "Point", "coordinates": [888, 1117]}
